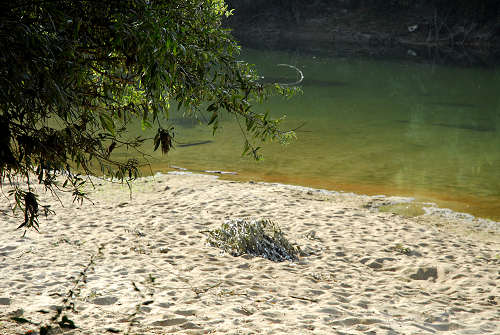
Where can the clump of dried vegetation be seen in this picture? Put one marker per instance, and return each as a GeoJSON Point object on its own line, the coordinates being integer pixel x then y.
{"type": "Point", "coordinates": [262, 238]}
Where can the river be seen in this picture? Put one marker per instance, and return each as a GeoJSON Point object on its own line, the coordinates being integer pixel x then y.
{"type": "Point", "coordinates": [372, 127]}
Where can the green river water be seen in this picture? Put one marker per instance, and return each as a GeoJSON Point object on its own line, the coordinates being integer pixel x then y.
{"type": "Point", "coordinates": [371, 127]}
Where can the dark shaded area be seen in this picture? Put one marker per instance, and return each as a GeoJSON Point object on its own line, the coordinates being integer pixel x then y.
{"type": "Point", "coordinates": [439, 31]}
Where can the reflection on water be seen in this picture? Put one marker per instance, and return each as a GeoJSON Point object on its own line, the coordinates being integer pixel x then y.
{"type": "Point", "coordinates": [371, 127]}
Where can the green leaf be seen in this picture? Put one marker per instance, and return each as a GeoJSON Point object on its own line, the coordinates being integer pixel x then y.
{"type": "Point", "coordinates": [215, 126]}
{"type": "Point", "coordinates": [213, 107]}
{"type": "Point", "coordinates": [107, 123]}
{"type": "Point", "coordinates": [213, 118]}
{"type": "Point", "coordinates": [250, 123]}
{"type": "Point", "coordinates": [246, 148]}
{"type": "Point", "coordinates": [145, 124]}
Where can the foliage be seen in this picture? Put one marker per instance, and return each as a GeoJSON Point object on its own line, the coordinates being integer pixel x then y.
{"type": "Point", "coordinates": [73, 74]}
{"type": "Point", "coordinates": [258, 238]}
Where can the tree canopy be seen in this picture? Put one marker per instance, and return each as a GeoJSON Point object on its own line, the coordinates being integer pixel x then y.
{"type": "Point", "coordinates": [74, 73]}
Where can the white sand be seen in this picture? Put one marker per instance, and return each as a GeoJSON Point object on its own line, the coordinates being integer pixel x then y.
{"type": "Point", "coordinates": [142, 266]}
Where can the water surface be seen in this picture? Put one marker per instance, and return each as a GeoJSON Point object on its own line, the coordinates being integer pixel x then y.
{"type": "Point", "coordinates": [371, 127]}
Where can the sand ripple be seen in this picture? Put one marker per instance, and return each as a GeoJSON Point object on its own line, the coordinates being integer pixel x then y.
{"type": "Point", "coordinates": [143, 265]}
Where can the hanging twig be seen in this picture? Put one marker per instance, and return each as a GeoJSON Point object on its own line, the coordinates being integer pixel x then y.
{"type": "Point", "coordinates": [298, 71]}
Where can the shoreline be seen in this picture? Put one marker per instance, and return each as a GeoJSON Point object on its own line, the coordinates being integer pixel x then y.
{"type": "Point", "coordinates": [142, 264]}
{"type": "Point", "coordinates": [480, 208]}
{"type": "Point", "coordinates": [428, 206]}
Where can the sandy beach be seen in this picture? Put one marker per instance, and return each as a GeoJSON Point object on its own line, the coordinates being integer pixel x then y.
{"type": "Point", "coordinates": [143, 265]}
